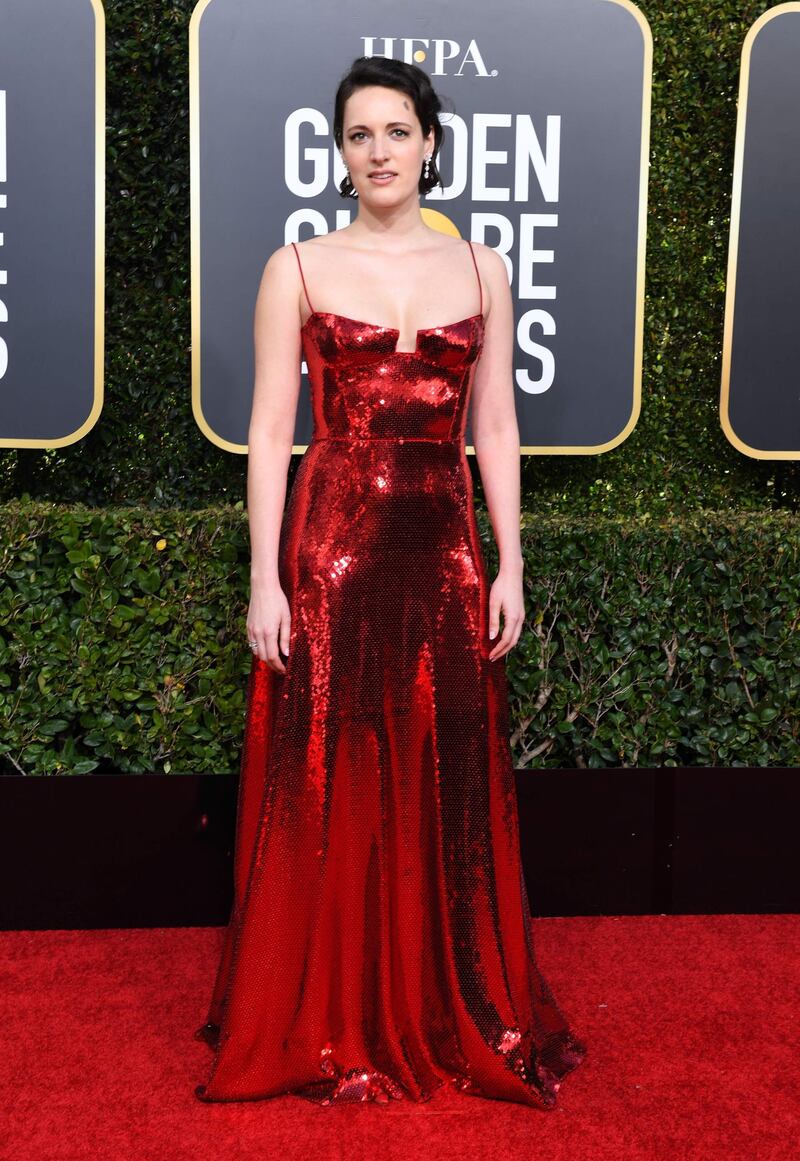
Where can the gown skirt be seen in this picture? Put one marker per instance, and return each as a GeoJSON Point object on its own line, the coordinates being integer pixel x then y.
{"type": "Point", "coordinates": [380, 942]}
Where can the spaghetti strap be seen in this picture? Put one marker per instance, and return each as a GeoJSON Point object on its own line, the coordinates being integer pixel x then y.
{"type": "Point", "coordinates": [480, 287]}
{"type": "Point", "coordinates": [305, 288]}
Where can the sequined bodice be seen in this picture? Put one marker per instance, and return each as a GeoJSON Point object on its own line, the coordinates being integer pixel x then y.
{"type": "Point", "coordinates": [362, 387]}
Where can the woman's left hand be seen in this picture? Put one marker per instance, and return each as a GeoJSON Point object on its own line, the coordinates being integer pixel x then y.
{"type": "Point", "coordinates": [506, 596]}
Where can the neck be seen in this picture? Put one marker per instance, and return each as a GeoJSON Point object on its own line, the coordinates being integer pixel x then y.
{"type": "Point", "coordinates": [403, 223]}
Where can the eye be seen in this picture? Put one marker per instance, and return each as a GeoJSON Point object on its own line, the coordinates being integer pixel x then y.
{"type": "Point", "coordinates": [359, 133]}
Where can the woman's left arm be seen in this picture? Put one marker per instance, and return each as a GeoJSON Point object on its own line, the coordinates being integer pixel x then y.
{"type": "Point", "coordinates": [497, 449]}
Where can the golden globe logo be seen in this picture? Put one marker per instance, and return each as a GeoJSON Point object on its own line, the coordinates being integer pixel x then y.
{"type": "Point", "coordinates": [442, 54]}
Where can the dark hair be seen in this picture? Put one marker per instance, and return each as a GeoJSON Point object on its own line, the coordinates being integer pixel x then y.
{"type": "Point", "coordinates": [409, 79]}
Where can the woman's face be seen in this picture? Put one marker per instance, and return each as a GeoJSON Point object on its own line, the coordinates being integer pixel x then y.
{"type": "Point", "coordinates": [381, 133]}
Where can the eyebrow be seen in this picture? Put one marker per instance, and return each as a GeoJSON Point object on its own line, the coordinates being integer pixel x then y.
{"type": "Point", "coordinates": [389, 125]}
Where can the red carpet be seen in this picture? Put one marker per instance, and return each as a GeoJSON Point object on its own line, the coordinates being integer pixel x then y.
{"type": "Point", "coordinates": [691, 1024]}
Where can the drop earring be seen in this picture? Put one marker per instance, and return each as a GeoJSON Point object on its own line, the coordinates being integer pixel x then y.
{"type": "Point", "coordinates": [352, 192]}
{"type": "Point", "coordinates": [427, 167]}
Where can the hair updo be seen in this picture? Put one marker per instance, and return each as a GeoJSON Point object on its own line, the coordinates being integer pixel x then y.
{"type": "Point", "coordinates": [409, 79]}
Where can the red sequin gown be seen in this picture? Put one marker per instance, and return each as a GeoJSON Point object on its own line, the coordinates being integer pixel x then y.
{"type": "Point", "coordinates": [380, 941]}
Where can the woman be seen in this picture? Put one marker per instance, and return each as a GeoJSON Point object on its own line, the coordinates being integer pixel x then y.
{"type": "Point", "coordinates": [380, 940]}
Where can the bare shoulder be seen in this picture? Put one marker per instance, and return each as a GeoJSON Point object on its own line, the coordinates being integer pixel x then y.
{"type": "Point", "coordinates": [320, 241]}
{"type": "Point", "coordinates": [492, 270]}
{"type": "Point", "coordinates": [281, 271]}
{"type": "Point", "coordinates": [490, 264]}
{"type": "Point", "coordinates": [494, 276]}
{"type": "Point", "coordinates": [286, 256]}
{"type": "Point", "coordinates": [282, 258]}
{"type": "Point", "coordinates": [280, 287]}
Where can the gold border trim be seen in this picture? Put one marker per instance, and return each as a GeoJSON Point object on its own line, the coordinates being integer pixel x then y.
{"type": "Point", "coordinates": [644, 174]}
{"type": "Point", "coordinates": [194, 213]}
{"type": "Point", "coordinates": [99, 242]}
{"type": "Point", "coordinates": [733, 242]}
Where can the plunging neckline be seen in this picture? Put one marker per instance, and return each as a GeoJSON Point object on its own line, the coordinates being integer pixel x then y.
{"type": "Point", "coordinates": [392, 330]}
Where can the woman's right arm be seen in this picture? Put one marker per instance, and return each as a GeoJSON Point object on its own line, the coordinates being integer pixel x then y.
{"type": "Point", "coordinates": [276, 335]}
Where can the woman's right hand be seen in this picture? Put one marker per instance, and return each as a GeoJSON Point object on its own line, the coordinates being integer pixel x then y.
{"type": "Point", "coordinates": [269, 624]}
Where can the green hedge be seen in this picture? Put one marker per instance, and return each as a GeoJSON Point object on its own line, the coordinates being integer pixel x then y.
{"type": "Point", "coordinates": [662, 625]}
{"type": "Point", "coordinates": [147, 450]}
{"type": "Point", "coordinates": [647, 643]}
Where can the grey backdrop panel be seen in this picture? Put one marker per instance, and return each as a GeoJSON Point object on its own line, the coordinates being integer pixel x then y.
{"type": "Point", "coordinates": [760, 405]}
{"type": "Point", "coordinates": [584, 63]}
{"type": "Point", "coordinates": [51, 202]}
